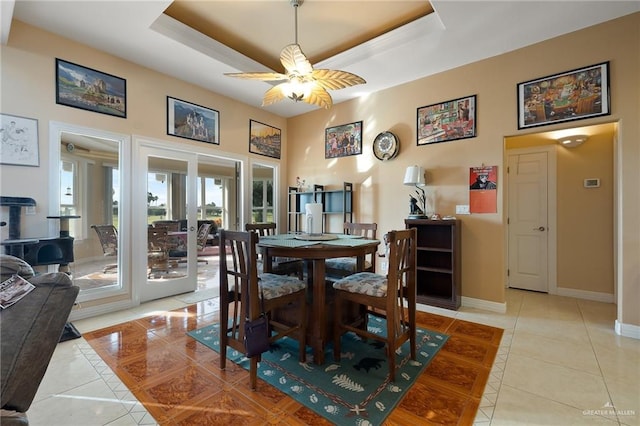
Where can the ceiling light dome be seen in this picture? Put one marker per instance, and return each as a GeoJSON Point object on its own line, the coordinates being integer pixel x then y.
{"type": "Point", "coordinates": [301, 82]}
{"type": "Point", "coordinates": [573, 140]}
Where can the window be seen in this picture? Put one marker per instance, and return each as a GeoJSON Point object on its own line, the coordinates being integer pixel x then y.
{"type": "Point", "coordinates": [210, 196]}
{"type": "Point", "coordinates": [72, 197]}
{"type": "Point", "coordinates": [157, 196]}
{"type": "Point", "coordinates": [112, 194]}
{"type": "Point", "coordinates": [262, 201]}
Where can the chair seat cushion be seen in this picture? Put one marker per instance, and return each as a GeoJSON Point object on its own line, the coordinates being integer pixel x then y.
{"type": "Point", "coordinates": [364, 283]}
{"type": "Point", "coordinates": [274, 285]}
{"type": "Point", "coordinates": [347, 264]}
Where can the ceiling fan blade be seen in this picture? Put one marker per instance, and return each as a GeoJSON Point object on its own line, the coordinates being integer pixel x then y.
{"type": "Point", "coordinates": [335, 79]}
{"type": "Point", "coordinates": [294, 60]}
{"type": "Point", "coordinates": [264, 76]}
{"type": "Point", "coordinates": [273, 95]}
{"type": "Point", "coordinates": [320, 97]}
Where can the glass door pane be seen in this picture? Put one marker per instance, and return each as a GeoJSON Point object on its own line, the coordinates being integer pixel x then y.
{"type": "Point", "coordinates": [89, 191]}
{"type": "Point", "coordinates": [262, 207]}
{"type": "Point", "coordinates": [171, 228]}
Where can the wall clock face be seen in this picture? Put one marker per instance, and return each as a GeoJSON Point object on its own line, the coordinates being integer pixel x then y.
{"type": "Point", "coordinates": [385, 146]}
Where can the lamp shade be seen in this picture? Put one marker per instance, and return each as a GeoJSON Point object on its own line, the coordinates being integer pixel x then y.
{"type": "Point", "coordinates": [414, 176]}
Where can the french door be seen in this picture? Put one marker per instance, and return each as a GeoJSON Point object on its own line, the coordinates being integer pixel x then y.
{"type": "Point", "coordinates": [166, 261]}
{"type": "Point", "coordinates": [529, 220]}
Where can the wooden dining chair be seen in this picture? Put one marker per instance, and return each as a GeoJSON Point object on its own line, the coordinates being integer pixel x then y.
{"type": "Point", "coordinates": [180, 254]}
{"type": "Point", "coordinates": [171, 225]}
{"type": "Point", "coordinates": [279, 265]}
{"type": "Point", "coordinates": [157, 250]}
{"type": "Point", "coordinates": [392, 297]}
{"type": "Point", "coordinates": [241, 290]}
{"type": "Point", "coordinates": [340, 267]}
{"type": "Point", "coordinates": [108, 237]}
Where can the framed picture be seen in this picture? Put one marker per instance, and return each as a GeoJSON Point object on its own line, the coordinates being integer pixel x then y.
{"type": "Point", "coordinates": [572, 95]}
{"type": "Point", "coordinates": [191, 121]}
{"type": "Point", "coordinates": [89, 89]}
{"type": "Point", "coordinates": [483, 189]}
{"type": "Point", "coordinates": [447, 121]}
{"type": "Point", "coordinates": [343, 140]}
{"type": "Point", "coordinates": [19, 140]}
{"type": "Point", "coordinates": [264, 139]}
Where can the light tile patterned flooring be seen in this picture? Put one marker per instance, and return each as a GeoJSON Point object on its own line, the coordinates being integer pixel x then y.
{"type": "Point", "coordinates": [559, 363]}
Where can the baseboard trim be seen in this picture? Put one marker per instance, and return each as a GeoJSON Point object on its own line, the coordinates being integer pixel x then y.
{"type": "Point", "coordinates": [467, 302]}
{"type": "Point", "coordinates": [470, 302]}
{"type": "Point", "coordinates": [627, 330]}
{"type": "Point", "coordinates": [421, 307]}
{"type": "Point", "coordinates": [92, 311]}
{"type": "Point", "coordinates": [584, 294]}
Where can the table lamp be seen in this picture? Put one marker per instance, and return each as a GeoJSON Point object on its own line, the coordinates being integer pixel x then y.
{"type": "Point", "coordinates": [415, 176]}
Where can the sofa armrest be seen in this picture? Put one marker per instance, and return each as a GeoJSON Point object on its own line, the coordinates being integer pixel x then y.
{"type": "Point", "coordinates": [30, 331]}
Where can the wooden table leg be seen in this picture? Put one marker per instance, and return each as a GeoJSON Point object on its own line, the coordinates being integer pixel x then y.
{"type": "Point", "coordinates": [319, 322]}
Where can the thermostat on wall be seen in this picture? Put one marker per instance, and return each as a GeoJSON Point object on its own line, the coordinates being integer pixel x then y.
{"type": "Point", "coordinates": [592, 183]}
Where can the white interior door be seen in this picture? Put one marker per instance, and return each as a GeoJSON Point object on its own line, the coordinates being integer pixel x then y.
{"type": "Point", "coordinates": [528, 221]}
{"type": "Point", "coordinates": [169, 193]}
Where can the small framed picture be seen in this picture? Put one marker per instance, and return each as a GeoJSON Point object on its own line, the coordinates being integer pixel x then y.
{"type": "Point", "coordinates": [191, 121]}
{"type": "Point", "coordinates": [343, 140]}
{"type": "Point", "coordinates": [91, 90]}
{"type": "Point", "coordinates": [571, 95]}
{"type": "Point", "coordinates": [19, 140]}
{"type": "Point", "coordinates": [447, 121]}
{"type": "Point", "coordinates": [264, 139]}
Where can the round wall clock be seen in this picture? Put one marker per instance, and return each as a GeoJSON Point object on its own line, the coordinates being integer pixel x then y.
{"type": "Point", "coordinates": [386, 146]}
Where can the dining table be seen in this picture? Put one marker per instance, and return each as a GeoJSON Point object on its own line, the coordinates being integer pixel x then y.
{"type": "Point", "coordinates": [315, 250]}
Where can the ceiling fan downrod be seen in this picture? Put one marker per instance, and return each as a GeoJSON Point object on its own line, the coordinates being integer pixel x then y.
{"type": "Point", "coordinates": [295, 4]}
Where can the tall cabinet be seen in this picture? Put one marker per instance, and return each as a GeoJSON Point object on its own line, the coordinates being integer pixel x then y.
{"type": "Point", "coordinates": [438, 262]}
{"type": "Point", "coordinates": [335, 203]}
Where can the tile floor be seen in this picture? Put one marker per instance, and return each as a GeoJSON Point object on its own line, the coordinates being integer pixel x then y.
{"type": "Point", "coordinates": [181, 383]}
{"type": "Point", "coordinates": [559, 363]}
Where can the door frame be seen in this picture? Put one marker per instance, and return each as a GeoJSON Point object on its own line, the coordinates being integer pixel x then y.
{"type": "Point", "coordinates": [151, 290]}
{"type": "Point", "coordinates": [552, 247]}
{"type": "Point", "coordinates": [56, 129]}
{"type": "Point", "coordinates": [138, 186]}
{"type": "Point", "coordinates": [275, 166]}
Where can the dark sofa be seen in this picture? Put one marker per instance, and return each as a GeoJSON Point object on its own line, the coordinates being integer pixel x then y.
{"type": "Point", "coordinates": [29, 332]}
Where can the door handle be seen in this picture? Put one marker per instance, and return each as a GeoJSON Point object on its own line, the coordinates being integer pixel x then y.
{"type": "Point", "coordinates": [192, 228]}
{"type": "Point", "coordinates": [541, 228]}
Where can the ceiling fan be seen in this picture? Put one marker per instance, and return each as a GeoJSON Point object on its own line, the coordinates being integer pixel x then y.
{"type": "Point", "coordinates": [301, 82]}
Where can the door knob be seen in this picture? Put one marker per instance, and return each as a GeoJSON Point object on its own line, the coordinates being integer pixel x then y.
{"type": "Point", "coordinates": [192, 228]}
{"type": "Point", "coordinates": [541, 228]}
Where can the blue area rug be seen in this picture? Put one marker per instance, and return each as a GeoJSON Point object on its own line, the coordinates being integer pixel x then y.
{"type": "Point", "coordinates": [356, 391]}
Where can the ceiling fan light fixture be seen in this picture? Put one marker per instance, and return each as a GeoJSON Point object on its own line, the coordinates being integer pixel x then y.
{"type": "Point", "coordinates": [297, 89]}
{"type": "Point", "coordinates": [301, 82]}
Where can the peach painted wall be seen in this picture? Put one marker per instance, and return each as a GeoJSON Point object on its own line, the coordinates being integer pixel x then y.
{"type": "Point", "coordinates": [585, 217]}
{"type": "Point", "coordinates": [382, 197]}
{"type": "Point", "coordinates": [28, 89]}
